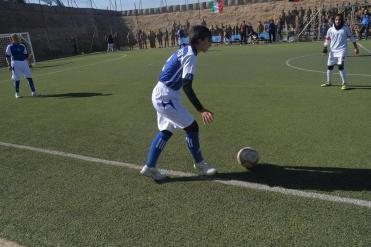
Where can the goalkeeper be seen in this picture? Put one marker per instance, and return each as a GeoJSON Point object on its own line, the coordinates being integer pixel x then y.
{"type": "Point", "coordinates": [17, 60]}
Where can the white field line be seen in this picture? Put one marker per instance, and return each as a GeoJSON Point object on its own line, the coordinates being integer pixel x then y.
{"type": "Point", "coordinates": [237, 183]}
{"type": "Point", "coordinates": [364, 48]}
{"type": "Point", "coordinates": [73, 68]}
{"type": "Point", "coordinates": [288, 63]}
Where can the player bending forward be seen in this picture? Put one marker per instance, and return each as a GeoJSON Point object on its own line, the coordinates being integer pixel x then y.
{"type": "Point", "coordinates": [337, 37]}
{"type": "Point", "coordinates": [166, 98]}
{"type": "Point", "coordinates": [17, 59]}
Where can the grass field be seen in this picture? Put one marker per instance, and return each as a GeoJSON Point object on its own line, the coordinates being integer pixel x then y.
{"type": "Point", "coordinates": [310, 139]}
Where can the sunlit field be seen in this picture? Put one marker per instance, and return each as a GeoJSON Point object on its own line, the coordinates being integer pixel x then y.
{"type": "Point", "coordinates": [312, 141]}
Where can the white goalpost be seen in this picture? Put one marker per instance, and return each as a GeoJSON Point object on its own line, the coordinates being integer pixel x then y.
{"type": "Point", "coordinates": [5, 41]}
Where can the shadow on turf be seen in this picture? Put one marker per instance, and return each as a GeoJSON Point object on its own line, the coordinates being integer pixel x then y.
{"type": "Point", "coordinates": [296, 177]}
{"type": "Point", "coordinates": [351, 87]}
{"type": "Point", "coordinates": [74, 95]}
{"type": "Point", "coordinates": [50, 66]}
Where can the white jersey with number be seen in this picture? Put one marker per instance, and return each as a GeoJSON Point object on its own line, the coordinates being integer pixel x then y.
{"type": "Point", "coordinates": [338, 40]}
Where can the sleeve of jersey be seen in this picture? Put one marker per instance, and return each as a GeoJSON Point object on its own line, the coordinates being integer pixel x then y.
{"type": "Point", "coordinates": [189, 67]}
{"type": "Point", "coordinates": [8, 53]}
{"type": "Point", "coordinates": [327, 38]}
{"type": "Point", "coordinates": [188, 90]}
{"type": "Point", "coordinates": [25, 51]}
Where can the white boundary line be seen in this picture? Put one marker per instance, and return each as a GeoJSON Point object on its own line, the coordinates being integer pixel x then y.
{"type": "Point", "coordinates": [237, 183]}
{"type": "Point", "coordinates": [75, 67]}
{"type": "Point", "coordinates": [288, 63]}
{"type": "Point", "coordinates": [364, 48]}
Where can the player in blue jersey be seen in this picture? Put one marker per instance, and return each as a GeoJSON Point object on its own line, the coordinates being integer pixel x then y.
{"type": "Point", "coordinates": [178, 73]}
{"type": "Point", "coordinates": [17, 59]}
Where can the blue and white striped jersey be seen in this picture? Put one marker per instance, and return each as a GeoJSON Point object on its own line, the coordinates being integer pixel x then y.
{"type": "Point", "coordinates": [182, 64]}
{"type": "Point", "coordinates": [17, 52]}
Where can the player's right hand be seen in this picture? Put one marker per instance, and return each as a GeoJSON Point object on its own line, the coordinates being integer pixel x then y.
{"type": "Point", "coordinates": [207, 116]}
{"type": "Point", "coordinates": [324, 50]}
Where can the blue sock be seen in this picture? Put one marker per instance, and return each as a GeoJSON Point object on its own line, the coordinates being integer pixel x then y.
{"type": "Point", "coordinates": [32, 86]}
{"type": "Point", "coordinates": [158, 144]}
{"type": "Point", "coordinates": [16, 86]}
{"type": "Point", "coordinates": [194, 145]}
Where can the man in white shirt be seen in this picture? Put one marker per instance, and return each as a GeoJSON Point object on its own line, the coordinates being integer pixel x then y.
{"type": "Point", "coordinates": [337, 39]}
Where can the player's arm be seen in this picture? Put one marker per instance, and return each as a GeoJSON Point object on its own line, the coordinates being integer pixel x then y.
{"type": "Point", "coordinates": [351, 37]}
{"type": "Point", "coordinates": [28, 57]}
{"type": "Point", "coordinates": [327, 41]}
{"type": "Point", "coordinates": [207, 116]}
{"type": "Point", "coordinates": [8, 58]}
{"type": "Point", "coordinates": [189, 67]}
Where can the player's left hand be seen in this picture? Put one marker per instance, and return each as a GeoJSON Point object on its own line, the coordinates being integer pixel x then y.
{"type": "Point", "coordinates": [207, 116]}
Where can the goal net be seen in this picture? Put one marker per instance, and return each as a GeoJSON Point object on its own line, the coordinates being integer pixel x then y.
{"type": "Point", "coordinates": [5, 41]}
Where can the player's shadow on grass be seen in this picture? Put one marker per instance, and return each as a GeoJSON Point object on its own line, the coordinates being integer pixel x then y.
{"type": "Point", "coordinates": [50, 66]}
{"type": "Point", "coordinates": [361, 55]}
{"type": "Point", "coordinates": [352, 87]}
{"type": "Point", "coordinates": [297, 177]}
{"type": "Point", "coordinates": [74, 95]}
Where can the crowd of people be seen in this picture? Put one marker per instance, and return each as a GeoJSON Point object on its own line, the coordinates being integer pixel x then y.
{"type": "Point", "coordinates": [311, 24]}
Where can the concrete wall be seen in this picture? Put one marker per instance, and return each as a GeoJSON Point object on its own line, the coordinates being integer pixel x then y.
{"type": "Point", "coordinates": [52, 29]}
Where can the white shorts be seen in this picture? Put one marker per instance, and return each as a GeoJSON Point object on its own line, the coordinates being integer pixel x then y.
{"type": "Point", "coordinates": [110, 46]}
{"type": "Point", "coordinates": [171, 114]}
{"type": "Point", "coordinates": [335, 59]}
{"type": "Point", "coordinates": [20, 68]}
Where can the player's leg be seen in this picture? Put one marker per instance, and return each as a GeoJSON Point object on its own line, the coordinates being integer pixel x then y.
{"type": "Point", "coordinates": [27, 74]}
{"type": "Point", "coordinates": [16, 74]}
{"type": "Point", "coordinates": [330, 67]}
{"type": "Point", "coordinates": [342, 73]}
{"type": "Point", "coordinates": [193, 143]}
{"type": "Point", "coordinates": [158, 144]}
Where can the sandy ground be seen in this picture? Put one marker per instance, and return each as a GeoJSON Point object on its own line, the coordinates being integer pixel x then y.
{"type": "Point", "coordinates": [252, 13]}
{"type": "Point", "coordinates": [6, 243]}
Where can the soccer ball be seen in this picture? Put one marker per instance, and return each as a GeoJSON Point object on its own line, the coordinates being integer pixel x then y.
{"type": "Point", "coordinates": [247, 157]}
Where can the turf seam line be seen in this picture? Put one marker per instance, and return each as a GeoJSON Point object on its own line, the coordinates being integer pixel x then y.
{"type": "Point", "coordinates": [237, 183]}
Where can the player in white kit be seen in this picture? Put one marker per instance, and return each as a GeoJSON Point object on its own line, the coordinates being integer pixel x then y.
{"type": "Point", "coordinates": [178, 73]}
{"type": "Point", "coordinates": [17, 59]}
{"type": "Point", "coordinates": [337, 39]}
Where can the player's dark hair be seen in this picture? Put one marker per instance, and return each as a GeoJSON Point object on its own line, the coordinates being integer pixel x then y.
{"type": "Point", "coordinates": [199, 32]}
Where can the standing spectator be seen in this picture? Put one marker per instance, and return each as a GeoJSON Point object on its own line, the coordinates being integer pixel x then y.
{"type": "Point", "coordinates": [243, 33]}
{"type": "Point", "coordinates": [260, 28]}
{"type": "Point", "coordinates": [365, 23]}
{"type": "Point", "coordinates": [18, 62]}
{"type": "Point", "coordinates": [159, 38]}
{"type": "Point", "coordinates": [74, 43]}
{"type": "Point", "coordinates": [109, 41]}
{"type": "Point", "coordinates": [272, 31]}
{"type": "Point", "coordinates": [130, 38]}
{"type": "Point", "coordinates": [203, 23]}
{"type": "Point", "coordinates": [116, 40]}
{"type": "Point", "coordinates": [144, 40]}
{"type": "Point", "coordinates": [182, 37]}
{"type": "Point", "coordinates": [173, 37]}
{"type": "Point", "coordinates": [166, 38]}
{"type": "Point", "coordinates": [152, 39]}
